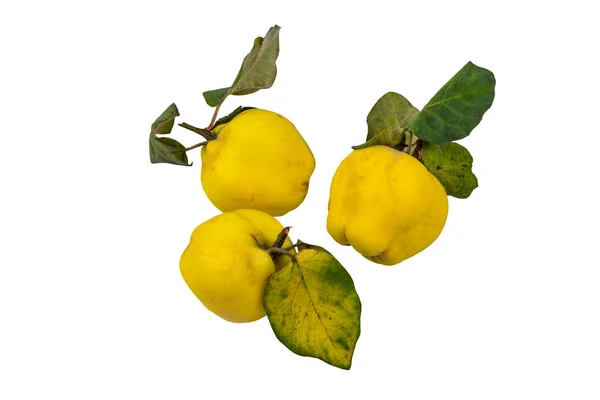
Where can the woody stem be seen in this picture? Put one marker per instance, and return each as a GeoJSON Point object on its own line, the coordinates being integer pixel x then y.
{"type": "Point", "coordinates": [206, 134]}
{"type": "Point", "coordinates": [281, 238]}
{"type": "Point", "coordinates": [276, 251]}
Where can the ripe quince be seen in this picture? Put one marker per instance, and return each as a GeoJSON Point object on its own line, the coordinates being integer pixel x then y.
{"type": "Point", "coordinates": [258, 161]}
{"type": "Point", "coordinates": [226, 264]}
{"type": "Point", "coordinates": [385, 204]}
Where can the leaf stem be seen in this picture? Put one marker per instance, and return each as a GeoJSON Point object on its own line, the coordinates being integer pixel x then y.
{"type": "Point", "coordinates": [419, 151]}
{"type": "Point", "coordinates": [214, 117]}
{"type": "Point", "coordinates": [276, 251]}
{"type": "Point", "coordinates": [196, 145]}
{"type": "Point", "coordinates": [410, 138]}
{"type": "Point", "coordinates": [292, 246]}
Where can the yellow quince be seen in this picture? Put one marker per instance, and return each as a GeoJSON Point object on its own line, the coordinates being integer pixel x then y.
{"type": "Point", "coordinates": [385, 204]}
{"type": "Point", "coordinates": [258, 161]}
{"type": "Point", "coordinates": [226, 264]}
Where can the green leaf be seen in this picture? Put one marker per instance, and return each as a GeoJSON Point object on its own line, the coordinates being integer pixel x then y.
{"type": "Point", "coordinates": [388, 121]}
{"type": "Point", "coordinates": [258, 70]}
{"type": "Point", "coordinates": [457, 108]}
{"type": "Point", "coordinates": [167, 150]}
{"type": "Point", "coordinates": [215, 97]}
{"type": "Point", "coordinates": [164, 123]}
{"type": "Point", "coordinates": [451, 163]}
{"type": "Point", "coordinates": [313, 307]}
{"type": "Point", "coordinates": [231, 115]}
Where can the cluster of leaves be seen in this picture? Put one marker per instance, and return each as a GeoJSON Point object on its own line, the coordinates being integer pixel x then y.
{"type": "Point", "coordinates": [429, 134]}
{"type": "Point", "coordinates": [258, 71]}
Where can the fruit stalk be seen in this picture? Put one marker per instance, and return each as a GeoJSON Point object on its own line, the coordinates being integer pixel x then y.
{"type": "Point", "coordinates": [275, 250]}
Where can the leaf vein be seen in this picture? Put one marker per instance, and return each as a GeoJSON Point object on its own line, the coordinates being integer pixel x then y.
{"type": "Point", "coordinates": [443, 100]}
{"type": "Point", "coordinates": [318, 315]}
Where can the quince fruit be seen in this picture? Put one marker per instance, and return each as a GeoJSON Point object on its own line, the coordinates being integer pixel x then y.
{"type": "Point", "coordinates": [226, 264]}
{"type": "Point", "coordinates": [385, 204]}
{"type": "Point", "coordinates": [258, 161]}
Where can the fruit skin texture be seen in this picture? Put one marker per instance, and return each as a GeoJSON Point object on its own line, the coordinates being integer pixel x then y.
{"type": "Point", "coordinates": [258, 161]}
{"type": "Point", "coordinates": [386, 204]}
{"type": "Point", "coordinates": [226, 264]}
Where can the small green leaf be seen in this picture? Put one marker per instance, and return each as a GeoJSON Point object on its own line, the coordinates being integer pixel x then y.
{"type": "Point", "coordinates": [231, 115]}
{"type": "Point", "coordinates": [215, 97]}
{"type": "Point", "coordinates": [371, 142]}
{"type": "Point", "coordinates": [164, 124]}
{"type": "Point", "coordinates": [258, 70]}
{"type": "Point", "coordinates": [451, 163]}
{"type": "Point", "coordinates": [167, 150]}
{"type": "Point", "coordinates": [313, 307]}
{"type": "Point", "coordinates": [388, 120]}
{"type": "Point", "coordinates": [458, 107]}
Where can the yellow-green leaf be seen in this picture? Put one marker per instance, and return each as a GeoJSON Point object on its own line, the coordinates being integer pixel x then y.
{"type": "Point", "coordinates": [313, 307]}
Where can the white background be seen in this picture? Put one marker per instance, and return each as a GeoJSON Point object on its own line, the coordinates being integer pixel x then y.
{"type": "Point", "coordinates": [505, 305]}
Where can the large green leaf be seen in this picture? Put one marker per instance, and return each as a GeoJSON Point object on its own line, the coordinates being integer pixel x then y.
{"type": "Point", "coordinates": [451, 164]}
{"type": "Point", "coordinates": [457, 108]}
{"type": "Point", "coordinates": [388, 121]}
{"type": "Point", "coordinates": [313, 307]}
{"type": "Point", "coordinates": [258, 70]}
